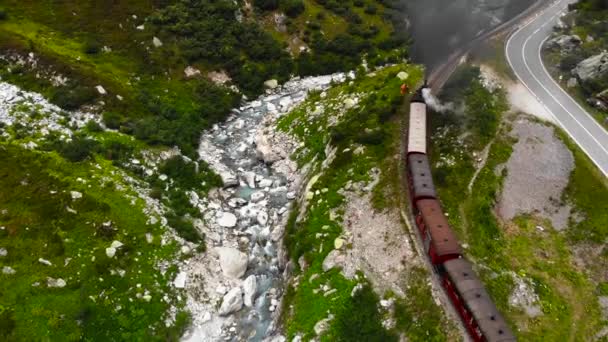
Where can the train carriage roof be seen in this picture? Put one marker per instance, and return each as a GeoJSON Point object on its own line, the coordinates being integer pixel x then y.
{"type": "Point", "coordinates": [417, 128]}
{"type": "Point", "coordinates": [443, 237]}
{"type": "Point", "coordinates": [420, 170]}
{"type": "Point", "coordinates": [488, 318]}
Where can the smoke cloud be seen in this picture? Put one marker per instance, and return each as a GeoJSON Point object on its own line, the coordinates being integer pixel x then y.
{"type": "Point", "coordinates": [434, 102]}
{"type": "Point", "coordinates": [438, 27]}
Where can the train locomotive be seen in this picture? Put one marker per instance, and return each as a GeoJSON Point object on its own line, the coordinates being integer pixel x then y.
{"type": "Point", "coordinates": [466, 292]}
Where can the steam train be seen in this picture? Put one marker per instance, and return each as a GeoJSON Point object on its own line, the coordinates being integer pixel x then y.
{"type": "Point", "coordinates": [468, 295]}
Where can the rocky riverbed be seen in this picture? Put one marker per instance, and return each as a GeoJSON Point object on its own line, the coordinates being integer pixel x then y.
{"type": "Point", "coordinates": [234, 289]}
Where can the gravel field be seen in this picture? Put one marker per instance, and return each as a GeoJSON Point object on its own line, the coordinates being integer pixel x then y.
{"type": "Point", "coordinates": [538, 172]}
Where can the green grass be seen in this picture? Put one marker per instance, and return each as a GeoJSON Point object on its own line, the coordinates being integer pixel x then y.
{"type": "Point", "coordinates": [97, 302]}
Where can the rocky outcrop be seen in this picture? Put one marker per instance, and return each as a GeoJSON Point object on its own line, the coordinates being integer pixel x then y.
{"type": "Point", "coordinates": [565, 43]}
{"type": "Point", "coordinates": [592, 68]}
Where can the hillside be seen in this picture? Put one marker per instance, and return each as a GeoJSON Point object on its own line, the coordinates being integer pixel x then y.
{"type": "Point", "coordinates": [122, 214]}
{"type": "Point", "coordinates": [527, 204]}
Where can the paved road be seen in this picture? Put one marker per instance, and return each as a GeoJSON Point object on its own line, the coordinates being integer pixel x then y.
{"type": "Point", "coordinates": [523, 52]}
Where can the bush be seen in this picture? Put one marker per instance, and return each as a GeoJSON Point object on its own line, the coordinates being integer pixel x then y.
{"type": "Point", "coordinates": [72, 97]}
{"type": "Point", "coordinates": [292, 8]}
{"type": "Point", "coordinates": [266, 5]}
{"type": "Point", "coordinates": [91, 47]}
{"type": "Point", "coordinates": [93, 126]}
{"type": "Point", "coordinates": [78, 149]}
{"type": "Point", "coordinates": [184, 228]}
{"type": "Point", "coordinates": [3, 14]}
{"type": "Point", "coordinates": [113, 120]}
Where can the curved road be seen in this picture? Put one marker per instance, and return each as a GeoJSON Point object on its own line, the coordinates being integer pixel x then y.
{"type": "Point", "coordinates": [523, 51]}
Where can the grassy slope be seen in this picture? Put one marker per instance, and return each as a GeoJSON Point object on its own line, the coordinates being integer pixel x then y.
{"type": "Point", "coordinates": [543, 259]}
{"type": "Point", "coordinates": [356, 318]}
{"type": "Point", "coordinates": [37, 224]}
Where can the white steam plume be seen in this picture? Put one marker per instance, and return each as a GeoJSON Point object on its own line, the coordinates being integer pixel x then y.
{"type": "Point", "coordinates": [434, 102]}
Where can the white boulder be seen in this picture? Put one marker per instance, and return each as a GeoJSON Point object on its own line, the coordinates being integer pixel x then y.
{"type": "Point", "coordinates": [250, 288]}
{"type": "Point", "coordinates": [232, 302]}
{"type": "Point", "coordinates": [403, 75]}
{"type": "Point", "coordinates": [8, 270]}
{"type": "Point", "coordinates": [3, 252]}
{"type": "Point", "coordinates": [271, 84]}
{"type": "Point", "coordinates": [232, 261]}
{"type": "Point", "coordinates": [257, 196]}
{"type": "Point", "coordinates": [52, 282]}
{"type": "Point", "coordinates": [45, 262]}
{"type": "Point", "coordinates": [180, 280]}
{"type": "Point", "coordinates": [75, 195]}
{"type": "Point", "coordinates": [156, 42]}
{"type": "Point", "coordinates": [110, 252]}
{"type": "Point", "coordinates": [101, 90]}
{"type": "Point", "coordinates": [227, 220]}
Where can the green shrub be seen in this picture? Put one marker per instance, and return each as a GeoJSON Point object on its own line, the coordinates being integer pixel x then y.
{"type": "Point", "coordinates": [3, 14]}
{"type": "Point", "coordinates": [78, 149]}
{"type": "Point", "coordinates": [91, 47]}
{"type": "Point", "coordinates": [184, 228]}
{"type": "Point", "coordinates": [292, 8]}
{"type": "Point", "coordinates": [266, 5]}
{"type": "Point", "coordinates": [72, 97]}
{"type": "Point", "coordinates": [93, 126]}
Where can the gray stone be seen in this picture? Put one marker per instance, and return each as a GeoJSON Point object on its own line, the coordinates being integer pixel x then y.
{"type": "Point", "coordinates": [3, 252]}
{"type": "Point", "coordinates": [257, 196]}
{"type": "Point", "coordinates": [250, 288]}
{"type": "Point", "coordinates": [8, 270]}
{"type": "Point", "coordinates": [592, 68]}
{"type": "Point", "coordinates": [232, 302]}
{"type": "Point", "coordinates": [232, 261]}
{"type": "Point", "coordinates": [565, 43]}
{"type": "Point", "coordinates": [572, 82]}
{"type": "Point", "coordinates": [334, 259]}
{"type": "Point", "coordinates": [262, 218]}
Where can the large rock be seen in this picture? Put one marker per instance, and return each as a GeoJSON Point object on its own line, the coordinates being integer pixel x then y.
{"type": "Point", "coordinates": [232, 261]}
{"type": "Point", "coordinates": [180, 280]}
{"type": "Point", "coordinates": [565, 43]}
{"type": "Point", "coordinates": [264, 149]}
{"type": "Point", "coordinates": [592, 68]}
{"type": "Point", "coordinates": [335, 258]}
{"type": "Point", "coordinates": [271, 84]}
{"type": "Point", "coordinates": [250, 288]}
{"type": "Point", "coordinates": [227, 220]}
{"type": "Point", "coordinates": [232, 302]}
{"type": "Point", "coordinates": [603, 96]}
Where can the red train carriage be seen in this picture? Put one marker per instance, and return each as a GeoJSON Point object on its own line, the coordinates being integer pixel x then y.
{"type": "Point", "coordinates": [419, 177]}
{"type": "Point", "coordinates": [476, 308]}
{"type": "Point", "coordinates": [466, 292]}
{"type": "Point", "coordinates": [440, 243]}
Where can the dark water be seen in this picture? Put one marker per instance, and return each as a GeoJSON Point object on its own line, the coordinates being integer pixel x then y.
{"type": "Point", "coordinates": [438, 27]}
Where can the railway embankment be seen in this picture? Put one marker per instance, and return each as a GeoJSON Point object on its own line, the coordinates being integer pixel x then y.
{"type": "Point", "coordinates": [355, 272]}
